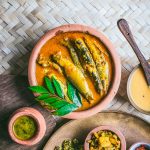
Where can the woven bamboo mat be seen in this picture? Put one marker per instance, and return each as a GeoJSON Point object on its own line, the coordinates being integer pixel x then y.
{"type": "Point", "coordinates": [23, 22]}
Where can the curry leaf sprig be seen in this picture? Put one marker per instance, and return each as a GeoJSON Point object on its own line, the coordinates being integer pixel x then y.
{"type": "Point", "coordinates": [52, 95]}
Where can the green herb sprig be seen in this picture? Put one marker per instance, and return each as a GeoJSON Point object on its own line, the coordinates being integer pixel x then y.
{"type": "Point", "coordinates": [53, 96]}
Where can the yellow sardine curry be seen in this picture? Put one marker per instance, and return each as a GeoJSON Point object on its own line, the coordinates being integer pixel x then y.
{"type": "Point", "coordinates": [81, 59]}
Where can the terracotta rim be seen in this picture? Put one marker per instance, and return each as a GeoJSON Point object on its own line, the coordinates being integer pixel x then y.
{"type": "Point", "coordinates": [37, 116]}
{"type": "Point", "coordinates": [135, 145]}
{"type": "Point", "coordinates": [129, 94]}
{"type": "Point", "coordinates": [109, 128]}
{"type": "Point", "coordinates": [116, 62]}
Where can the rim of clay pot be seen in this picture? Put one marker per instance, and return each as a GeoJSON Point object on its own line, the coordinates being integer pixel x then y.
{"type": "Point", "coordinates": [108, 128]}
{"type": "Point", "coordinates": [115, 59]}
{"type": "Point", "coordinates": [136, 145]}
{"type": "Point", "coordinates": [129, 93]}
{"type": "Point", "coordinates": [38, 118]}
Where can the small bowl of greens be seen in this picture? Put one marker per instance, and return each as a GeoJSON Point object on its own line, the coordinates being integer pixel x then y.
{"type": "Point", "coordinates": [26, 126]}
{"type": "Point", "coordinates": [105, 137]}
{"type": "Point", "coordinates": [70, 144]}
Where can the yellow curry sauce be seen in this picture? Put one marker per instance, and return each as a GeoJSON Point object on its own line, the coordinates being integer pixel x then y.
{"type": "Point", "coordinates": [139, 90]}
{"type": "Point", "coordinates": [53, 46]}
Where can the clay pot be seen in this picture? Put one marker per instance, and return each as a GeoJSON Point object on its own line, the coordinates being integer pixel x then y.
{"type": "Point", "coordinates": [39, 119]}
{"type": "Point", "coordinates": [115, 60]}
{"type": "Point", "coordinates": [108, 128]}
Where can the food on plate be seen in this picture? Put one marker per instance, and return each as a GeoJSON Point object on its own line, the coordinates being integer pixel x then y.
{"type": "Point", "coordinates": [88, 63]}
{"type": "Point", "coordinates": [140, 95]}
{"type": "Point", "coordinates": [70, 145]}
{"type": "Point", "coordinates": [100, 62]}
{"type": "Point", "coordinates": [74, 75]}
{"type": "Point", "coordinates": [70, 58]}
{"type": "Point", "coordinates": [24, 127]}
{"type": "Point", "coordinates": [104, 140]}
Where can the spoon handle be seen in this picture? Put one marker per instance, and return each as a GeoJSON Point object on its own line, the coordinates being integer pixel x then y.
{"type": "Point", "coordinates": [125, 30]}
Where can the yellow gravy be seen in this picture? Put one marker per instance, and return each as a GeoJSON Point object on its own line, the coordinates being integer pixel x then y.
{"type": "Point", "coordinates": [53, 46]}
{"type": "Point", "coordinates": [139, 90]}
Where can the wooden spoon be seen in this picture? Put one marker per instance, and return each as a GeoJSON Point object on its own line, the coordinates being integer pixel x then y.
{"type": "Point", "coordinates": [125, 30]}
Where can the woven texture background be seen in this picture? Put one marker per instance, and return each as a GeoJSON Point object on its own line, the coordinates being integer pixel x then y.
{"type": "Point", "coordinates": [23, 22]}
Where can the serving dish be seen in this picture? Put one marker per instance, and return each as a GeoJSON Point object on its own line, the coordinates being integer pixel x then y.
{"type": "Point", "coordinates": [40, 123]}
{"type": "Point", "coordinates": [136, 145]}
{"type": "Point", "coordinates": [106, 128]}
{"type": "Point", "coordinates": [129, 91]}
{"type": "Point", "coordinates": [116, 63]}
{"type": "Point", "coordinates": [128, 124]}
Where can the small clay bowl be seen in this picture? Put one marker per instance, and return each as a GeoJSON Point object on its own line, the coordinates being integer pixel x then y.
{"type": "Point", "coordinates": [115, 61]}
{"type": "Point", "coordinates": [39, 119]}
{"type": "Point", "coordinates": [108, 128]}
{"type": "Point", "coordinates": [136, 145]}
{"type": "Point", "coordinates": [129, 92]}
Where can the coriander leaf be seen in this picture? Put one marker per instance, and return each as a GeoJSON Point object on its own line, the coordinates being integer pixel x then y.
{"type": "Point", "coordinates": [73, 94]}
{"type": "Point", "coordinates": [49, 85]}
{"type": "Point", "coordinates": [65, 110]}
{"type": "Point", "coordinates": [43, 96]}
{"type": "Point", "coordinates": [38, 89]}
{"type": "Point", "coordinates": [58, 88]}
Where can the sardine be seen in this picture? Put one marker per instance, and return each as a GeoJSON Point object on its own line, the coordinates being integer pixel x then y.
{"type": "Point", "coordinates": [88, 63]}
{"type": "Point", "coordinates": [74, 75]}
{"type": "Point", "coordinates": [101, 63]}
{"type": "Point", "coordinates": [67, 43]}
{"type": "Point", "coordinates": [101, 47]}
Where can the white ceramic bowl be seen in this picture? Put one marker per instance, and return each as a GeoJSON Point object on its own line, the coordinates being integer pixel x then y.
{"type": "Point", "coordinates": [136, 145]}
{"type": "Point", "coordinates": [129, 94]}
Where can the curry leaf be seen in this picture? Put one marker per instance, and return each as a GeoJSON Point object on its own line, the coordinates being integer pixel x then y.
{"type": "Point", "coordinates": [51, 100]}
{"type": "Point", "coordinates": [52, 96]}
{"type": "Point", "coordinates": [79, 97]}
{"type": "Point", "coordinates": [73, 94]}
{"type": "Point", "coordinates": [38, 89]}
{"type": "Point", "coordinates": [58, 88]}
{"type": "Point", "coordinates": [65, 110]}
{"type": "Point", "coordinates": [43, 96]}
{"type": "Point", "coordinates": [49, 85]}
{"type": "Point", "coordinates": [70, 91]}
{"type": "Point", "coordinates": [58, 104]}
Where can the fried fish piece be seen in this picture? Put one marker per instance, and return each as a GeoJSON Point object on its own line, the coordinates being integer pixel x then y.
{"type": "Point", "coordinates": [100, 62]}
{"type": "Point", "coordinates": [88, 63]}
{"type": "Point", "coordinates": [67, 43]}
{"type": "Point", "coordinates": [74, 75]}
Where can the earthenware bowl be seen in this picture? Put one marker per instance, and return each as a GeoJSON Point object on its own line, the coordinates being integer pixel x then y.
{"type": "Point", "coordinates": [115, 59]}
{"type": "Point", "coordinates": [108, 128]}
{"type": "Point", "coordinates": [136, 145]}
{"type": "Point", "coordinates": [129, 92]}
{"type": "Point", "coordinates": [39, 119]}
